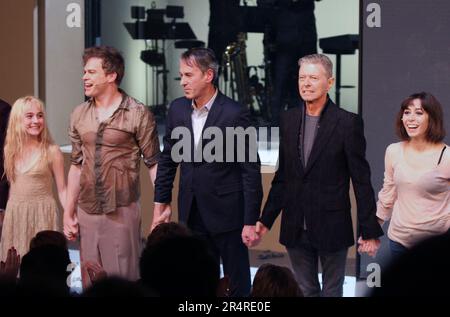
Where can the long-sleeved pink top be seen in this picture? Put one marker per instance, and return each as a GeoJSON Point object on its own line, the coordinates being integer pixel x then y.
{"type": "Point", "coordinates": [416, 202]}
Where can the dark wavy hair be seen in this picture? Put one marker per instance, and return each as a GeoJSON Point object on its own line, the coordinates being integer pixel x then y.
{"type": "Point", "coordinates": [436, 131]}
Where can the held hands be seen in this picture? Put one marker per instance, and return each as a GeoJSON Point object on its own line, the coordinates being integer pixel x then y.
{"type": "Point", "coordinates": [252, 235]}
{"type": "Point", "coordinates": [249, 236]}
{"type": "Point", "coordinates": [70, 226]}
{"type": "Point", "coordinates": [261, 229]}
{"type": "Point", "coordinates": [369, 246]}
{"type": "Point", "coordinates": [161, 214]}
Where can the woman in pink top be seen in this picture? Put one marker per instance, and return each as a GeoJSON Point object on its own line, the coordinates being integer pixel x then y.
{"type": "Point", "coordinates": [416, 190]}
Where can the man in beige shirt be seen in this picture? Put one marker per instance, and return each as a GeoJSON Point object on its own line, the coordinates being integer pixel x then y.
{"type": "Point", "coordinates": [109, 133]}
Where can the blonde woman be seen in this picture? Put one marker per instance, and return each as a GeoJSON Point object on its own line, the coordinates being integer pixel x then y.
{"type": "Point", "coordinates": [32, 162]}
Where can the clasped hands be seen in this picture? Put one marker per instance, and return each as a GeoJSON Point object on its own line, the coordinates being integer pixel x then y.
{"type": "Point", "coordinates": [251, 234]}
{"type": "Point", "coordinates": [369, 246]}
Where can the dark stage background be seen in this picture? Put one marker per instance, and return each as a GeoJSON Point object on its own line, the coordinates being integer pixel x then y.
{"type": "Point", "coordinates": [409, 52]}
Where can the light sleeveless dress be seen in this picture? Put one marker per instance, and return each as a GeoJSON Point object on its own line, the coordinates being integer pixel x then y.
{"type": "Point", "coordinates": [31, 208]}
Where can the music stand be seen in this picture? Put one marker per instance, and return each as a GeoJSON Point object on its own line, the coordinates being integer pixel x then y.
{"type": "Point", "coordinates": [143, 30]}
{"type": "Point", "coordinates": [158, 30]}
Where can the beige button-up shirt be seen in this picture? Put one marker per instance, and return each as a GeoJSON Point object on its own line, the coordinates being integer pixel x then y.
{"type": "Point", "coordinates": [110, 152]}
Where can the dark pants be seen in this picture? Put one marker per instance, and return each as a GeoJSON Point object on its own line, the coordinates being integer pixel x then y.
{"type": "Point", "coordinates": [397, 249]}
{"type": "Point", "coordinates": [305, 263]}
{"type": "Point", "coordinates": [229, 247]}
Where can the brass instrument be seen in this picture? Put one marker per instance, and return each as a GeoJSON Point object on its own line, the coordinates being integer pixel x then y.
{"type": "Point", "coordinates": [235, 60]}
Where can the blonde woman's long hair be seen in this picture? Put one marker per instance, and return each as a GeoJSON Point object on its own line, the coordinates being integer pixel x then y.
{"type": "Point", "coordinates": [16, 136]}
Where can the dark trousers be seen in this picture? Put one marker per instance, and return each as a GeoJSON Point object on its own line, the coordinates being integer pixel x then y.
{"type": "Point", "coordinates": [397, 250]}
{"type": "Point", "coordinates": [305, 263]}
{"type": "Point", "coordinates": [229, 247]}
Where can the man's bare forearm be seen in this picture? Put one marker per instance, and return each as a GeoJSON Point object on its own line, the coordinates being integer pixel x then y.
{"type": "Point", "coordinates": [73, 189]}
{"type": "Point", "coordinates": [152, 172]}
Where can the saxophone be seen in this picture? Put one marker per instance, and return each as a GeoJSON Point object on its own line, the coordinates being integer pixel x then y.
{"type": "Point", "coordinates": [235, 59]}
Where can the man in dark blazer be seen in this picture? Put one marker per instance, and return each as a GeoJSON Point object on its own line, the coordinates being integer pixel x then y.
{"type": "Point", "coordinates": [219, 200]}
{"type": "Point", "coordinates": [5, 109]}
{"type": "Point", "coordinates": [322, 147]}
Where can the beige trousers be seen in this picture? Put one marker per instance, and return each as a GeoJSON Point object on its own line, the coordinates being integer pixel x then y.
{"type": "Point", "coordinates": [112, 240]}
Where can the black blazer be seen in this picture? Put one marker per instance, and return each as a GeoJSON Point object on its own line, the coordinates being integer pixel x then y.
{"type": "Point", "coordinates": [228, 195]}
{"type": "Point", "coordinates": [4, 115]}
{"type": "Point", "coordinates": [319, 192]}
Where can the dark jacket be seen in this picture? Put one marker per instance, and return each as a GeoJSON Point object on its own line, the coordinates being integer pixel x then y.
{"type": "Point", "coordinates": [228, 194]}
{"type": "Point", "coordinates": [319, 193]}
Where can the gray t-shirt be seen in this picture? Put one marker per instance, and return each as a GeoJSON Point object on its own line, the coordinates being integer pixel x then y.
{"type": "Point", "coordinates": [309, 135]}
{"type": "Point", "coordinates": [310, 131]}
